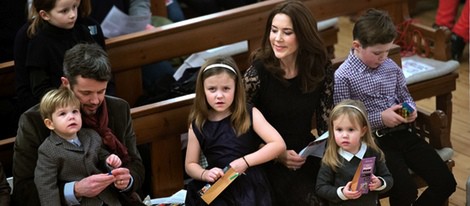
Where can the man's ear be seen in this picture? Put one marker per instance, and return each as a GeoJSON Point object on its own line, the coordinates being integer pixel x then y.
{"type": "Point", "coordinates": [49, 124]}
{"type": "Point", "coordinates": [65, 82]}
{"type": "Point", "coordinates": [44, 15]}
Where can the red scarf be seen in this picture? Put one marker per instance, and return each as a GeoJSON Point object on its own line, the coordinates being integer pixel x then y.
{"type": "Point", "coordinates": [99, 123]}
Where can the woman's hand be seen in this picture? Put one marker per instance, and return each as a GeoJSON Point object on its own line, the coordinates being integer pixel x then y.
{"type": "Point", "coordinates": [291, 159]}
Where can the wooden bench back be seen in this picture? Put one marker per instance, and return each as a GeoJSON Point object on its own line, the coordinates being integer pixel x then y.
{"type": "Point", "coordinates": [425, 41]}
{"type": "Point", "coordinates": [7, 79]}
{"type": "Point", "coordinates": [130, 52]}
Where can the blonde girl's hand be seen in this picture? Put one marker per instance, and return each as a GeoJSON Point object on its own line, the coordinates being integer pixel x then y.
{"type": "Point", "coordinates": [374, 183]}
{"type": "Point", "coordinates": [239, 165]}
{"type": "Point", "coordinates": [212, 175]}
{"type": "Point", "coordinates": [348, 193]}
{"type": "Point", "coordinates": [113, 161]}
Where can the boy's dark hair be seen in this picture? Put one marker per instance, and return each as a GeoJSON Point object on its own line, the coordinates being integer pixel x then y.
{"type": "Point", "coordinates": [88, 61]}
{"type": "Point", "coordinates": [374, 27]}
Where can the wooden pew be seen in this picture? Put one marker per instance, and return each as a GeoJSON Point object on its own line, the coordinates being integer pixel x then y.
{"type": "Point", "coordinates": [128, 53]}
{"type": "Point", "coordinates": [7, 79]}
{"type": "Point", "coordinates": [161, 125]}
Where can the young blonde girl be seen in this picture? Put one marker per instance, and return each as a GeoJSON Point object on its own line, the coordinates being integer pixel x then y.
{"type": "Point", "coordinates": [228, 133]}
{"type": "Point", "coordinates": [350, 141]}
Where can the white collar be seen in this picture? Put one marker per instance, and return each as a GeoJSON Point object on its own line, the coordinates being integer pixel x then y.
{"type": "Point", "coordinates": [348, 156]}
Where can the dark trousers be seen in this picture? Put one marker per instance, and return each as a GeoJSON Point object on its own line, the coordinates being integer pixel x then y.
{"type": "Point", "coordinates": [403, 150]}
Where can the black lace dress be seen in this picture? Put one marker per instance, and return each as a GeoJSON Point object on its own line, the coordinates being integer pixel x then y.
{"type": "Point", "coordinates": [291, 112]}
{"type": "Point", "coordinates": [221, 146]}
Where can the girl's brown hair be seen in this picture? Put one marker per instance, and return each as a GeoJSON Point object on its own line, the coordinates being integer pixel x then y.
{"type": "Point", "coordinates": [240, 118]}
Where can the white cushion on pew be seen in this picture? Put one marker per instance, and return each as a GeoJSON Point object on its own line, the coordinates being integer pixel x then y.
{"type": "Point", "coordinates": [418, 68]}
{"type": "Point", "coordinates": [445, 153]}
{"type": "Point", "coordinates": [322, 25]}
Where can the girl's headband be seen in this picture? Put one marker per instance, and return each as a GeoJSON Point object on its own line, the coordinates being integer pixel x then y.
{"type": "Point", "coordinates": [354, 107]}
{"type": "Point", "coordinates": [219, 65]}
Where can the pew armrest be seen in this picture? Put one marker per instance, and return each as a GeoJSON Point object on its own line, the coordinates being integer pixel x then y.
{"type": "Point", "coordinates": [433, 128]}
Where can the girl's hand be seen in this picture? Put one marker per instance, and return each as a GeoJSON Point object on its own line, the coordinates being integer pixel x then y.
{"type": "Point", "coordinates": [291, 159]}
{"type": "Point", "coordinates": [239, 165]}
{"type": "Point", "coordinates": [348, 193]}
{"type": "Point", "coordinates": [212, 175]}
{"type": "Point", "coordinates": [374, 183]}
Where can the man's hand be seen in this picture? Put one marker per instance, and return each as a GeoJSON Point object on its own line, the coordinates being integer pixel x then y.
{"type": "Point", "coordinates": [93, 185]}
{"type": "Point", "coordinates": [122, 178]}
{"type": "Point", "coordinates": [291, 159]}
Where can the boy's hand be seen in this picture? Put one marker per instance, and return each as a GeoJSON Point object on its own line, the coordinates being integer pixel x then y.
{"type": "Point", "coordinates": [374, 183]}
{"type": "Point", "coordinates": [348, 193]}
{"type": "Point", "coordinates": [412, 117]}
{"type": "Point", "coordinates": [114, 161]}
{"type": "Point", "coordinates": [390, 118]}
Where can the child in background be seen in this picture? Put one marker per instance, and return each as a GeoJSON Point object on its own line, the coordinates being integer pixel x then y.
{"type": "Point", "coordinates": [350, 141]}
{"type": "Point", "coordinates": [70, 153]}
{"type": "Point", "coordinates": [228, 133]}
{"type": "Point", "coordinates": [56, 26]}
{"type": "Point", "coordinates": [368, 75]}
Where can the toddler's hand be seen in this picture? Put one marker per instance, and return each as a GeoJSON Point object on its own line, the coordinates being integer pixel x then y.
{"type": "Point", "coordinates": [114, 161]}
{"type": "Point", "coordinates": [374, 183]}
